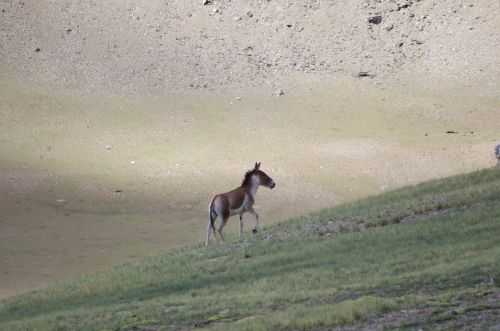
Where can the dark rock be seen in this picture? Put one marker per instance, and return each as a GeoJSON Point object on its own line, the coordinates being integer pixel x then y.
{"type": "Point", "coordinates": [37, 49]}
{"type": "Point", "coordinates": [207, 2]}
{"type": "Point", "coordinates": [363, 74]}
{"type": "Point", "coordinates": [249, 14]}
{"type": "Point", "coordinates": [451, 132]}
{"type": "Point", "coordinates": [375, 19]}
{"type": "Point", "coordinates": [404, 6]}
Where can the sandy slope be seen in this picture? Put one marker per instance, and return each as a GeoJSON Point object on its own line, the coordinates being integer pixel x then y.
{"type": "Point", "coordinates": [159, 47]}
{"type": "Point", "coordinates": [187, 92]}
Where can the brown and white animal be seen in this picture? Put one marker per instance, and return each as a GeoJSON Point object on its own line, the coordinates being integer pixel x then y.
{"type": "Point", "coordinates": [238, 201]}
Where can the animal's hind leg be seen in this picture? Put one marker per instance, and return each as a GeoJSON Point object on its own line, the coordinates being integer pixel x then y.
{"type": "Point", "coordinates": [222, 225]}
{"type": "Point", "coordinates": [209, 232]}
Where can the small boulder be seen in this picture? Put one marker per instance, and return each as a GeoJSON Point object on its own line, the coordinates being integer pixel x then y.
{"type": "Point", "coordinates": [375, 19]}
{"type": "Point", "coordinates": [363, 74]}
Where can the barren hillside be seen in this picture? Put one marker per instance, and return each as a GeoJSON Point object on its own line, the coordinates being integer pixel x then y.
{"type": "Point", "coordinates": [157, 46]}
{"type": "Point", "coordinates": [120, 119]}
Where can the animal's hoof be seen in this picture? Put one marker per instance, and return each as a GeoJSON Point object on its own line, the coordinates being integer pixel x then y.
{"type": "Point", "coordinates": [254, 230]}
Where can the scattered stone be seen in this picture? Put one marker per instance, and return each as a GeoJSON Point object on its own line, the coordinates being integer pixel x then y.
{"type": "Point", "coordinates": [390, 27]}
{"type": "Point", "coordinates": [132, 162]}
{"type": "Point", "coordinates": [60, 200]}
{"type": "Point", "coordinates": [69, 30]}
{"type": "Point", "coordinates": [280, 92]}
{"type": "Point", "coordinates": [108, 147]}
{"type": "Point", "coordinates": [207, 2]}
{"type": "Point", "coordinates": [289, 25]}
{"type": "Point", "coordinates": [375, 19]}
{"type": "Point", "coordinates": [451, 132]}
{"type": "Point", "coordinates": [37, 49]}
{"type": "Point", "coordinates": [363, 74]}
{"type": "Point", "coordinates": [118, 191]}
{"type": "Point", "coordinates": [249, 14]}
{"type": "Point", "coordinates": [404, 6]}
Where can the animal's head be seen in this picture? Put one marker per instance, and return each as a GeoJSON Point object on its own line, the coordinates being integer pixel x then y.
{"type": "Point", "coordinates": [259, 177]}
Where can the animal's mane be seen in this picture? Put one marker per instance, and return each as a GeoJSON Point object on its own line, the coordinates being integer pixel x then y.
{"type": "Point", "coordinates": [247, 178]}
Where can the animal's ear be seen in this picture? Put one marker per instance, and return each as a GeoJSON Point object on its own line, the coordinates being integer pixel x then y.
{"type": "Point", "coordinates": [257, 165]}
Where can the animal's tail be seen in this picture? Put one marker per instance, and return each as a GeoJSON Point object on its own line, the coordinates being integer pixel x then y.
{"type": "Point", "coordinates": [212, 216]}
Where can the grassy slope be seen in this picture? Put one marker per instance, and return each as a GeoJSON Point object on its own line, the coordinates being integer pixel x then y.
{"type": "Point", "coordinates": [426, 255]}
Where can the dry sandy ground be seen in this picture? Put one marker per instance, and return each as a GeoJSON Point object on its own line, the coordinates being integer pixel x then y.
{"type": "Point", "coordinates": [87, 183]}
{"type": "Point", "coordinates": [119, 119]}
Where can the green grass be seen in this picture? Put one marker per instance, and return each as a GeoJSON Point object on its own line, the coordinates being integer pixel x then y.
{"type": "Point", "coordinates": [429, 255]}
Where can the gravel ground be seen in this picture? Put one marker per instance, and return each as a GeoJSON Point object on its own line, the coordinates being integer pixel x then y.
{"type": "Point", "coordinates": [158, 47]}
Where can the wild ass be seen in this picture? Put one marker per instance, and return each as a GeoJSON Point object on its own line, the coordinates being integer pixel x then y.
{"type": "Point", "coordinates": [238, 201]}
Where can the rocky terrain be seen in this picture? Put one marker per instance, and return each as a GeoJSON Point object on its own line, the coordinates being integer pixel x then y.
{"type": "Point", "coordinates": [158, 47]}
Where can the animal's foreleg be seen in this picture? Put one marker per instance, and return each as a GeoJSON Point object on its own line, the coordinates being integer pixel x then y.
{"type": "Point", "coordinates": [254, 213]}
{"type": "Point", "coordinates": [241, 225]}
